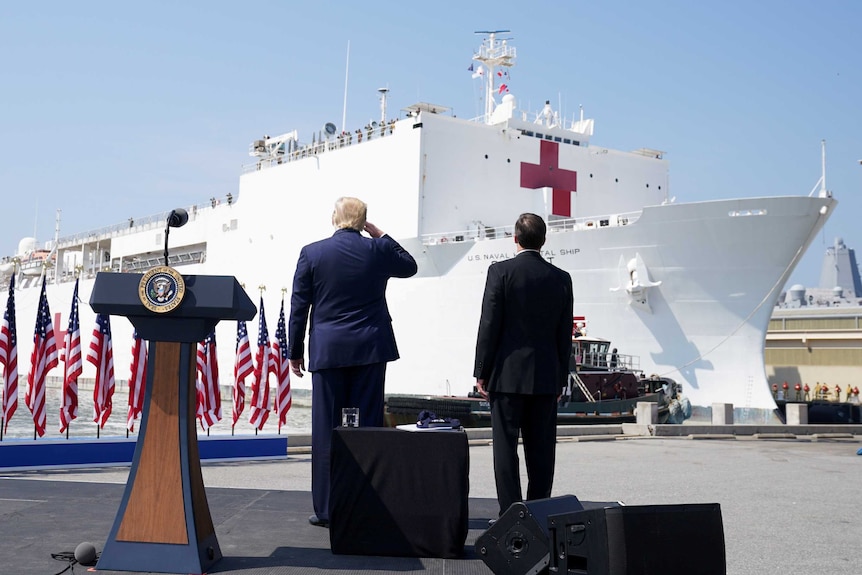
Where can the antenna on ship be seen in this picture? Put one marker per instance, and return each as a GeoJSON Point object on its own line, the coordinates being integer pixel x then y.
{"type": "Point", "coordinates": [58, 265]}
{"type": "Point", "coordinates": [383, 92]}
{"type": "Point", "coordinates": [346, 70]}
{"type": "Point", "coordinates": [492, 54]}
{"type": "Point", "coordinates": [823, 193]}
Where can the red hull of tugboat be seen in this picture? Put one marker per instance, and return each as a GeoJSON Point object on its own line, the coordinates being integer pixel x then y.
{"type": "Point", "coordinates": [604, 387]}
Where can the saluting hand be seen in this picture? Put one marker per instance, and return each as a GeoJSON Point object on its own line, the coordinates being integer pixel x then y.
{"type": "Point", "coordinates": [373, 230]}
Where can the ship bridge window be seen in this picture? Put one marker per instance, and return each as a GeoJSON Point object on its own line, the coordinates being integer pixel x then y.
{"type": "Point", "coordinates": [528, 133]}
{"type": "Point", "coordinates": [558, 139]}
{"type": "Point", "coordinates": [567, 141]}
{"type": "Point", "coordinates": [540, 136]}
{"type": "Point", "coordinates": [549, 137]}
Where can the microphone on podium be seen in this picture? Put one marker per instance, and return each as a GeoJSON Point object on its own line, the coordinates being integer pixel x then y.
{"type": "Point", "coordinates": [176, 219]}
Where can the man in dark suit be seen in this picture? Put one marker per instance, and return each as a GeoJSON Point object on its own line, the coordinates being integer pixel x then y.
{"type": "Point", "coordinates": [341, 283]}
{"type": "Point", "coordinates": [522, 359]}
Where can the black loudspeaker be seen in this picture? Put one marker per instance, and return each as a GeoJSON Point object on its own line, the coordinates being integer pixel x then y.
{"type": "Point", "coordinates": [639, 540]}
{"type": "Point", "coordinates": [518, 543]}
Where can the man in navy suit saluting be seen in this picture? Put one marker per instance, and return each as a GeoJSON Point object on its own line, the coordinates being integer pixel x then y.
{"type": "Point", "coordinates": [341, 283]}
{"type": "Point", "coordinates": [522, 359]}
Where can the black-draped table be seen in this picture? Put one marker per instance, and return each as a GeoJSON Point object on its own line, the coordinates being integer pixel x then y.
{"type": "Point", "coordinates": [399, 493]}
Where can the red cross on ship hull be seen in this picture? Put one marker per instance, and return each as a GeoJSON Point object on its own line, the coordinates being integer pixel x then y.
{"type": "Point", "coordinates": [547, 174]}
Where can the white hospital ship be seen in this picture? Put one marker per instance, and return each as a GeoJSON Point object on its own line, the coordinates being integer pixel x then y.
{"type": "Point", "coordinates": [689, 288]}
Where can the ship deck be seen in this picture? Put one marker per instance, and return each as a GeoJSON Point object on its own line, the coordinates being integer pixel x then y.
{"type": "Point", "coordinates": [788, 502]}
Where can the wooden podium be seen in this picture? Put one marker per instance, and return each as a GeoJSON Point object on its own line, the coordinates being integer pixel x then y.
{"type": "Point", "coordinates": [163, 524]}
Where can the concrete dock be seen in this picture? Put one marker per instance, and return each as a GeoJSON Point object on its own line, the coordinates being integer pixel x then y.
{"type": "Point", "coordinates": [790, 500]}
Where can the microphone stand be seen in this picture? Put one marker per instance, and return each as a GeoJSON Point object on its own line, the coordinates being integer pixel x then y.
{"type": "Point", "coordinates": [167, 231]}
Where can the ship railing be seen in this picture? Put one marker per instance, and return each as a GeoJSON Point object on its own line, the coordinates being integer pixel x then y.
{"type": "Point", "coordinates": [131, 226]}
{"type": "Point", "coordinates": [331, 143]}
{"type": "Point", "coordinates": [555, 225]}
{"type": "Point", "coordinates": [174, 260]}
{"type": "Point", "coordinates": [611, 361]}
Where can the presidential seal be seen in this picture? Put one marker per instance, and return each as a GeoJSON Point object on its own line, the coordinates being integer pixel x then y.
{"type": "Point", "coordinates": [161, 289]}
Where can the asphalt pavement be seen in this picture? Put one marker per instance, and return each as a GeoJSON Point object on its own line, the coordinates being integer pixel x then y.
{"type": "Point", "coordinates": [789, 506]}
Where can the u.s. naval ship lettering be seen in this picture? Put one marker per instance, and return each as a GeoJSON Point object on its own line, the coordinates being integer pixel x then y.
{"type": "Point", "coordinates": [547, 254]}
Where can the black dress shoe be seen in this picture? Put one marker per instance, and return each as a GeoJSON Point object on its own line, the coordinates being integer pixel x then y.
{"type": "Point", "coordinates": [318, 522]}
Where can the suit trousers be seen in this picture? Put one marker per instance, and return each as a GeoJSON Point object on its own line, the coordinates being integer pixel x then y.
{"type": "Point", "coordinates": [332, 390]}
{"type": "Point", "coordinates": [535, 416]}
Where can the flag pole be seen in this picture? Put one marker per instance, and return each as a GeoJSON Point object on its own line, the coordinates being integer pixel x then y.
{"type": "Point", "coordinates": [262, 288]}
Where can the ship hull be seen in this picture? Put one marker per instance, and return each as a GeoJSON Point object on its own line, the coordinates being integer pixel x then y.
{"type": "Point", "coordinates": [449, 190]}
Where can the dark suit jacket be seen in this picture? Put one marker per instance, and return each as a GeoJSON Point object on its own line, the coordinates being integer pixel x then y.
{"type": "Point", "coordinates": [342, 281]}
{"type": "Point", "coordinates": [525, 332]}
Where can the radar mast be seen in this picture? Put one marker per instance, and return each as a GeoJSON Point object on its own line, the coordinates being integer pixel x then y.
{"type": "Point", "coordinates": [492, 54]}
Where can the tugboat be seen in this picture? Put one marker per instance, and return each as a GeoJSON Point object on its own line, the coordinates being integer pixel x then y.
{"type": "Point", "coordinates": [604, 387]}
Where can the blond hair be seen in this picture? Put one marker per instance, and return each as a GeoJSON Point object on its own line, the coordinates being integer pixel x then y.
{"type": "Point", "coordinates": [349, 213]}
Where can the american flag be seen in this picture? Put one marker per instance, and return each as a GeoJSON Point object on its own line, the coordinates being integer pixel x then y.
{"type": "Point", "coordinates": [242, 368]}
{"type": "Point", "coordinates": [137, 381]}
{"type": "Point", "coordinates": [282, 369]}
{"type": "Point", "coordinates": [42, 360]}
{"type": "Point", "coordinates": [72, 366]}
{"type": "Point", "coordinates": [264, 365]}
{"type": "Point", "coordinates": [209, 395]}
{"type": "Point", "coordinates": [101, 354]}
{"type": "Point", "coordinates": [9, 359]}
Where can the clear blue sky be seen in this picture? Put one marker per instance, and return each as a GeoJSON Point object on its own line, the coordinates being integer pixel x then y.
{"type": "Point", "coordinates": [117, 109]}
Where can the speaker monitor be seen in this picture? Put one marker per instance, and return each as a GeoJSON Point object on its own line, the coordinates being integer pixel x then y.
{"type": "Point", "coordinates": [518, 543]}
{"type": "Point", "coordinates": [639, 540]}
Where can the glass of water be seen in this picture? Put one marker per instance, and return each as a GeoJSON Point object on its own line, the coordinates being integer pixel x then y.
{"type": "Point", "coordinates": [350, 417]}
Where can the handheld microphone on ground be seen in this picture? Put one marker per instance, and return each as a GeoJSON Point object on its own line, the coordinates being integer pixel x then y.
{"type": "Point", "coordinates": [176, 219]}
{"type": "Point", "coordinates": [85, 554]}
